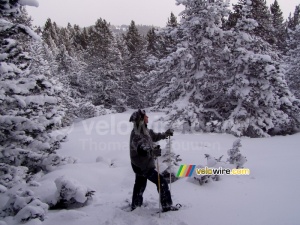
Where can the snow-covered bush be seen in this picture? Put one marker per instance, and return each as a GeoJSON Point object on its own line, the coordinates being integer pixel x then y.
{"type": "Point", "coordinates": [235, 157]}
{"type": "Point", "coordinates": [211, 163]}
{"type": "Point", "coordinates": [12, 175]}
{"type": "Point", "coordinates": [33, 210]}
{"type": "Point", "coordinates": [203, 179]}
{"type": "Point", "coordinates": [53, 160]}
{"type": "Point", "coordinates": [24, 206]}
{"type": "Point", "coordinates": [101, 110]}
{"type": "Point", "coordinates": [169, 163]}
{"type": "Point", "coordinates": [33, 161]}
{"type": "Point", "coordinates": [71, 194]}
{"type": "Point", "coordinates": [86, 110]}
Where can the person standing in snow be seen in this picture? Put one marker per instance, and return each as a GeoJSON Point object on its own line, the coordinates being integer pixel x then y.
{"type": "Point", "coordinates": [142, 154]}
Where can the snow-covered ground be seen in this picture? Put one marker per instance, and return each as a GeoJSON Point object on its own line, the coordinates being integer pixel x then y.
{"type": "Point", "coordinates": [268, 196]}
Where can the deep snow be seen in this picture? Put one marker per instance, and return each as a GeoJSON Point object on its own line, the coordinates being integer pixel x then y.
{"type": "Point", "coordinates": [268, 196]}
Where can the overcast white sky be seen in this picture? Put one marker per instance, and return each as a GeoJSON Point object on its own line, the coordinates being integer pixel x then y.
{"type": "Point", "coordinates": [117, 12]}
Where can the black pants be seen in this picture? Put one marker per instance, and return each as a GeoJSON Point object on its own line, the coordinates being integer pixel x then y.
{"type": "Point", "coordinates": [140, 186]}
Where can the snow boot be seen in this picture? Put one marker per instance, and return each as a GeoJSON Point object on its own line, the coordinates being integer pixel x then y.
{"type": "Point", "coordinates": [172, 208]}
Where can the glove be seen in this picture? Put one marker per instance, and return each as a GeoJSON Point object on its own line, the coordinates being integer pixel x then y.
{"type": "Point", "coordinates": [143, 150]}
{"type": "Point", "coordinates": [157, 151]}
{"type": "Point", "coordinates": [169, 133]}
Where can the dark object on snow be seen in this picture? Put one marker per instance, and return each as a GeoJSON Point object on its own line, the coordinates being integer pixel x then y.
{"type": "Point", "coordinates": [172, 208]}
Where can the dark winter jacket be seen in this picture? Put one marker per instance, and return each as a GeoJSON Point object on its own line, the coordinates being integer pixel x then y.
{"type": "Point", "coordinates": [141, 147]}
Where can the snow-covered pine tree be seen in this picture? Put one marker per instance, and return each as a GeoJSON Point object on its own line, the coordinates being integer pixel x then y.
{"type": "Point", "coordinates": [168, 37]}
{"type": "Point", "coordinates": [30, 109]}
{"type": "Point", "coordinates": [135, 67]}
{"type": "Point", "coordinates": [64, 70]}
{"type": "Point", "coordinates": [153, 52]}
{"type": "Point", "coordinates": [24, 17]}
{"type": "Point", "coordinates": [79, 38]}
{"type": "Point", "coordinates": [225, 81]}
{"type": "Point", "coordinates": [294, 20]}
{"type": "Point", "coordinates": [104, 73]}
{"type": "Point", "coordinates": [263, 103]}
{"type": "Point", "coordinates": [66, 40]}
{"type": "Point", "coordinates": [193, 78]}
{"type": "Point", "coordinates": [50, 35]}
{"type": "Point", "coordinates": [166, 41]}
{"type": "Point", "coordinates": [122, 47]}
{"type": "Point", "coordinates": [172, 21]}
{"type": "Point", "coordinates": [293, 61]}
{"type": "Point", "coordinates": [260, 12]}
{"type": "Point", "coordinates": [279, 26]}
{"type": "Point", "coordinates": [84, 38]}
{"type": "Point", "coordinates": [169, 41]}
{"type": "Point", "coordinates": [152, 42]}
{"type": "Point", "coordinates": [66, 62]}
{"type": "Point", "coordinates": [136, 46]}
{"type": "Point", "coordinates": [235, 156]}
{"type": "Point", "coordinates": [169, 162]}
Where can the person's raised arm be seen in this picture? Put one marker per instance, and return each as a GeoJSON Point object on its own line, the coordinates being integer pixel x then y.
{"type": "Point", "coordinates": [159, 136]}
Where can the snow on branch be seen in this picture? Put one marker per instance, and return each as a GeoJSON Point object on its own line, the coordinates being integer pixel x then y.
{"type": "Point", "coordinates": [34, 3]}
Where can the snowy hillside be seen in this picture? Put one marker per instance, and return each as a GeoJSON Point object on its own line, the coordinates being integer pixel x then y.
{"type": "Point", "coordinates": [217, 71]}
{"type": "Point", "coordinates": [268, 196]}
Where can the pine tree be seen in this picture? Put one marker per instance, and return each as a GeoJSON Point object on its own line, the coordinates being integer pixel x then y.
{"type": "Point", "coordinates": [153, 49]}
{"type": "Point", "coordinates": [172, 21]}
{"type": "Point", "coordinates": [66, 41]}
{"type": "Point", "coordinates": [225, 81]}
{"type": "Point", "coordinates": [169, 163]}
{"type": "Point", "coordinates": [294, 20]}
{"type": "Point", "coordinates": [152, 42]}
{"type": "Point", "coordinates": [293, 61]}
{"type": "Point", "coordinates": [192, 76]}
{"type": "Point", "coordinates": [279, 25]}
{"type": "Point", "coordinates": [166, 42]}
{"type": "Point", "coordinates": [263, 102]}
{"type": "Point", "coordinates": [135, 45]}
{"type": "Point", "coordinates": [79, 39]}
{"type": "Point", "coordinates": [30, 109]}
{"type": "Point", "coordinates": [103, 73]}
{"type": "Point", "coordinates": [55, 33]}
{"type": "Point", "coordinates": [134, 67]}
{"type": "Point", "coordinates": [235, 156]}
{"type": "Point", "coordinates": [169, 36]}
{"type": "Point", "coordinates": [260, 12]}
{"type": "Point", "coordinates": [24, 18]}
{"type": "Point", "coordinates": [50, 36]}
{"type": "Point", "coordinates": [84, 38]}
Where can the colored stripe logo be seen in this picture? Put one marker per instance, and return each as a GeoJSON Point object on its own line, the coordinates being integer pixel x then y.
{"type": "Point", "coordinates": [186, 170]}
